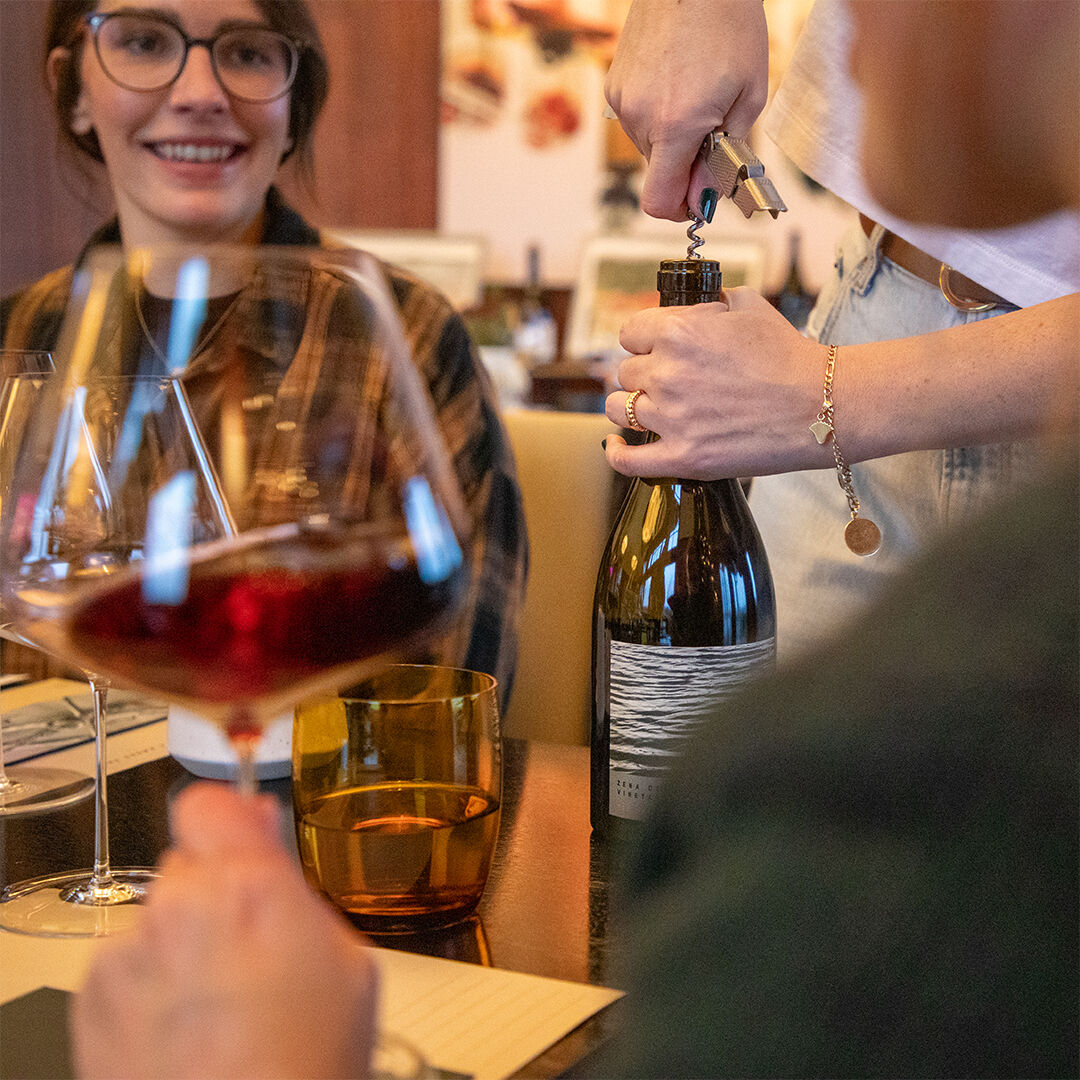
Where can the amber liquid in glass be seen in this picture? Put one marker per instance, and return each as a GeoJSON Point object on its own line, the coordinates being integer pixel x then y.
{"type": "Point", "coordinates": [400, 856]}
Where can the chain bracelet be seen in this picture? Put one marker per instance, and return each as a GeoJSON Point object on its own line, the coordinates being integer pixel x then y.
{"type": "Point", "coordinates": [843, 473]}
{"type": "Point", "coordinates": [862, 536]}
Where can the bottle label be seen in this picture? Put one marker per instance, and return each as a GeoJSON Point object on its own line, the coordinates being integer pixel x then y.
{"type": "Point", "coordinates": [659, 696]}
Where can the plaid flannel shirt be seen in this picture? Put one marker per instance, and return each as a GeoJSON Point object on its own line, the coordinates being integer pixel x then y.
{"type": "Point", "coordinates": [484, 638]}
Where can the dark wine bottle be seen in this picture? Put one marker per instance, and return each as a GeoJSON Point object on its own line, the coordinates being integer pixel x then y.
{"type": "Point", "coordinates": [683, 616]}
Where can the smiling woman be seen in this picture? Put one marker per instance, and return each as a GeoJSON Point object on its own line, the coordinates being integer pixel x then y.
{"type": "Point", "coordinates": [191, 107]}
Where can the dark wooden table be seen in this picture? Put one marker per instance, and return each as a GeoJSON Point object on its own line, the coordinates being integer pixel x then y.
{"type": "Point", "coordinates": [544, 912]}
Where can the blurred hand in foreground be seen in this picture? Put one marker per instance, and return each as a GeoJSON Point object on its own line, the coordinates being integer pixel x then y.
{"type": "Point", "coordinates": [236, 967]}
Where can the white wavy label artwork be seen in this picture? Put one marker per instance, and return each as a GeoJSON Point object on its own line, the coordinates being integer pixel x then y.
{"type": "Point", "coordinates": [658, 696]}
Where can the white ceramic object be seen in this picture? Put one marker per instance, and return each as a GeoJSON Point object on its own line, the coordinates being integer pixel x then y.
{"type": "Point", "coordinates": [203, 749]}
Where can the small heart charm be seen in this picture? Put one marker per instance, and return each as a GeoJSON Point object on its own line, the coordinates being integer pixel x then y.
{"type": "Point", "coordinates": [822, 429]}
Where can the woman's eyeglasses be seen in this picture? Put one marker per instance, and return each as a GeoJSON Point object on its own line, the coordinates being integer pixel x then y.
{"type": "Point", "coordinates": [145, 53]}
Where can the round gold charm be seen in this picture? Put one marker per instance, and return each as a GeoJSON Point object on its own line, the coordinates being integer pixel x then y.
{"type": "Point", "coordinates": [862, 536]}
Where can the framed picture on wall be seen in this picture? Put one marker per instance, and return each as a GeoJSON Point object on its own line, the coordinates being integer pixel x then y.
{"type": "Point", "coordinates": [618, 278]}
{"type": "Point", "coordinates": [453, 264]}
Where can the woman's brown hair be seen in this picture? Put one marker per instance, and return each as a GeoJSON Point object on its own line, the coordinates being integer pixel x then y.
{"type": "Point", "coordinates": [289, 17]}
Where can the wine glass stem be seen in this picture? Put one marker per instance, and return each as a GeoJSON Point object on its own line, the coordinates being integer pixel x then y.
{"type": "Point", "coordinates": [102, 876]}
{"type": "Point", "coordinates": [6, 785]}
{"type": "Point", "coordinates": [245, 767]}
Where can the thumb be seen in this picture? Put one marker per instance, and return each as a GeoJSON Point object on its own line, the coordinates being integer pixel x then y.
{"type": "Point", "coordinates": [645, 459]}
{"type": "Point", "coordinates": [700, 178]}
{"type": "Point", "coordinates": [207, 818]}
{"type": "Point", "coordinates": [667, 176]}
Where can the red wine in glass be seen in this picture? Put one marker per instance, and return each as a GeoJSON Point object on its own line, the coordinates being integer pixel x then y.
{"type": "Point", "coordinates": [276, 618]}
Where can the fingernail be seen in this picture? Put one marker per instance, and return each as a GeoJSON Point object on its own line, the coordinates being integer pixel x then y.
{"type": "Point", "coordinates": [603, 444]}
{"type": "Point", "coordinates": [709, 198]}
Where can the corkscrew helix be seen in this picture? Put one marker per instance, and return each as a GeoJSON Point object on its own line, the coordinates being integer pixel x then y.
{"type": "Point", "coordinates": [692, 235]}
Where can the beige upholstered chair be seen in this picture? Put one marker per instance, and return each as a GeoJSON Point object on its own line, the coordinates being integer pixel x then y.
{"type": "Point", "coordinates": [567, 489]}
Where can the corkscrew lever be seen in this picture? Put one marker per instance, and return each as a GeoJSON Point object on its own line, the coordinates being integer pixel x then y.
{"type": "Point", "coordinates": [739, 174]}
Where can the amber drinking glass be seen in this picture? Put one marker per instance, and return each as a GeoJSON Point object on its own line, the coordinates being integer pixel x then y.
{"type": "Point", "coordinates": [397, 788]}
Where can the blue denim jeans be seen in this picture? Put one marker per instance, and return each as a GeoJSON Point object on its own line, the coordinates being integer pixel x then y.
{"type": "Point", "coordinates": [912, 497]}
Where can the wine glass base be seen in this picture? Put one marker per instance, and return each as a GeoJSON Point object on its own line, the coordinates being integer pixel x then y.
{"type": "Point", "coordinates": [37, 788]}
{"type": "Point", "coordinates": [66, 905]}
{"type": "Point", "coordinates": [116, 892]}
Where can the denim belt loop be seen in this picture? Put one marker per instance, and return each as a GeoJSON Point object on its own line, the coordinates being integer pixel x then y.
{"type": "Point", "coordinates": [863, 273]}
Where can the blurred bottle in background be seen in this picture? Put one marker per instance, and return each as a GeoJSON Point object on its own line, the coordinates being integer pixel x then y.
{"type": "Point", "coordinates": [536, 334]}
{"type": "Point", "coordinates": [491, 326]}
{"type": "Point", "coordinates": [619, 202]}
{"type": "Point", "coordinates": [620, 206]}
{"type": "Point", "coordinates": [794, 300]}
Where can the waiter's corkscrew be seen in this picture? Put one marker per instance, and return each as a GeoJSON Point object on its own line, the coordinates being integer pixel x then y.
{"type": "Point", "coordinates": [739, 175]}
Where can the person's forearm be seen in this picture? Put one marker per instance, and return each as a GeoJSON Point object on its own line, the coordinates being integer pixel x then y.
{"type": "Point", "coordinates": [993, 381]}
{"type": "Point", "coordinates": [731, 389]}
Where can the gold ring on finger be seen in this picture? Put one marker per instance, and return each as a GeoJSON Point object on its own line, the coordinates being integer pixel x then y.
{"type": "Point", "coordinates": [631, 416]}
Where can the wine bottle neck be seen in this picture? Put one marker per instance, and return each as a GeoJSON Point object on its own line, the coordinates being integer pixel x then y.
{"type": "Point", "coordinates": [682, 282]}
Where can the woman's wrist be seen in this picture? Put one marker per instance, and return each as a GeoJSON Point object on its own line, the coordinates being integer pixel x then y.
{"type": "Point", "coordinates": [995, 380]}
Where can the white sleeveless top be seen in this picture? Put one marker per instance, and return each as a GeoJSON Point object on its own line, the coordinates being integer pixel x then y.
{"type": "Point", "coordinates": [816, 117]}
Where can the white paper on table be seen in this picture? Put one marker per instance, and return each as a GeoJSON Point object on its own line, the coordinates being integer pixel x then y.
{"type": "Point", "coordinates": [480, 1021]}
{"type": "Point", "coordinates": [484, 1022]}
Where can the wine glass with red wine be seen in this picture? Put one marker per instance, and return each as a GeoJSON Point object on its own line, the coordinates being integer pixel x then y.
{"type": "Point", "coordinates": [308, 532]}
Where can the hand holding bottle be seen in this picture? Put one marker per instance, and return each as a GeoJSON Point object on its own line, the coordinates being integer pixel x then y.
{"type": "Point", "coordinates": [679, 72]}
{"type": "Point", "coordinates": [729, 387]}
